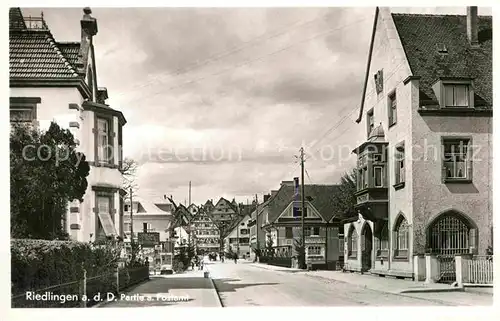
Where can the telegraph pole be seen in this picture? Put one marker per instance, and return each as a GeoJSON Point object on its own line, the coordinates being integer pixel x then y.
{"type": "Point", "coordinates": [131, 219]}
{"type": "Point", "coordinates": [257, 226]}
{"type": "Point", "coordinates": [302, 196]}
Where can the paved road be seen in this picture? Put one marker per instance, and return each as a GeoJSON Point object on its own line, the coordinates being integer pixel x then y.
{"type": "Point", "coordinates": [245, 285]}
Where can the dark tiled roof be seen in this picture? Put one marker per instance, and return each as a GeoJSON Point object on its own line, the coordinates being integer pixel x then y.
{"type": "Point", "coordinates": [33, 53]}
{"type": "Point", "coordinates": [16, 20]}
{"type": "Point", "coordinates": [420, 36]}
{"type": "Point", "coordinates": [70, 51]}
{"type": "Point", "coordinates": [322, 200]}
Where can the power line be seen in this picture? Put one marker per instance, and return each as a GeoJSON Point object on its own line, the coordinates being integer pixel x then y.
{"type": "Point", "coordinates": [337, 125]}
{"type": "Point", "coordinates": [260, 58]}
{"type": "Point", "coordinates": [309, 177]}
{"type": "Point", "coordinates": [222, 54]}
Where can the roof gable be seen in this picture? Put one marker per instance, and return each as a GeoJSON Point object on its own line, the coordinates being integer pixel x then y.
{"type": "Point", "coordinates": [422, 34]}
{"type": "Point", "coordinates": [34, 53]}
{"type": "Point", "coordinates": [319, 196]}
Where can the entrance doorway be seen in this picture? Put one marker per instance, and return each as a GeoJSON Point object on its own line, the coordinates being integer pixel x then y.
{"type": "Point", "coordinates": [366, 248]}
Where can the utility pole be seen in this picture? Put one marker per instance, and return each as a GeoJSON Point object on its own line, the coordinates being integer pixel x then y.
{"type": "Point", "coordinates": [131, 219]}
{"type": "Point", "coordinates": [302, 196]}
{"type": "Point", "coordinates": [257, 245]}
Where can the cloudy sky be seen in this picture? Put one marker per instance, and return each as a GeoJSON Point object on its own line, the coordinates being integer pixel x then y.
{"type": "Point", "coordinates": [226, 97]}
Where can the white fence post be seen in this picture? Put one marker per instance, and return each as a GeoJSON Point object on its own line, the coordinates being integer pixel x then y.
{"type": "Point", "coordinates": [459, 271]}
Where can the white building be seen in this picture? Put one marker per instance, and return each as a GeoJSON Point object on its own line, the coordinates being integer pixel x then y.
{"type": "Point", "coordinates": [238, 240]}
{"type": "Point", "coordinates": [57, 81]}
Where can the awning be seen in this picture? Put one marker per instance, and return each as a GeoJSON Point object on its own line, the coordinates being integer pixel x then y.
{"type": "Point", "coordinates": [107, 224]}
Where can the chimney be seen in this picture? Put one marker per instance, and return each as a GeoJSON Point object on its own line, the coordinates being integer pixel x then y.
{"type": "Point", "coordinates": [266, 197]}
{"type": "Point", "coordinates": [89, 29]}
{"type": "Point", "coordinates": [273, 193]}
{"type": "Point", "coordinates": [287, 183]}
{"type": "Point", "coordinates": [102, 95]}
{"type": "Point", "coordinates": [472, 26]}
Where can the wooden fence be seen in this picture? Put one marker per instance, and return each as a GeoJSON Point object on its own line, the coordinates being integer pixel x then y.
{"type": "Point", "coordinates": [478, 270]}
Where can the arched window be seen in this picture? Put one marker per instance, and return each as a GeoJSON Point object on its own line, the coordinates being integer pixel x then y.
{"type": "Point", "coordinates": [451, 233]}
{"type": "Point", "coordinates": [352, 242]}
{"type": "Point", "coordinates": [382, 240]}
{"type": "Point", "coordinates": [401, 238]}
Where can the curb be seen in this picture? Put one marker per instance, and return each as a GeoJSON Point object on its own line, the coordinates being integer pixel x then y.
{"type": "Point", "coordinates": [430, 290]}
{"type": "Point", "coordinates": [216, 292]}
{"type": "Point", "coordinates": [283, 269]}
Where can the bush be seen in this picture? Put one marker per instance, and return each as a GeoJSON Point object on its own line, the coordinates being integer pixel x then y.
{"type": "Point", "coordinates": [178, 266]}
{"type": "Point", "coordinates": [36, 264]}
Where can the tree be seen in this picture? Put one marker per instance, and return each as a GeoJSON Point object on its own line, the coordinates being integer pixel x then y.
{"type": "Point", "coordinates": [345, 197]}
{"type": "Point", "coordinates": [46, 174]}
{"type": "Point", "coordinates": [129, 174]}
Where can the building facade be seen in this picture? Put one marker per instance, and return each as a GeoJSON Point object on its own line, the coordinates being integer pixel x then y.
{"type": "Point", "coordinates": [282, 221]}
{"type": "Point", "coordinates": [424, 171]}
{"type": "Point", "coordinates": [257, 233]}
{"type": "Point", "coordinates": [57, 81]}
{"type": "Point", "coordinates": [238, 239]}
{"type": "Point", "coordinates": [204, 231]}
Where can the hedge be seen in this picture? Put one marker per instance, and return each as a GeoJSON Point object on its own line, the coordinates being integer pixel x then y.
{"type": "Point", "coordinates": [37, 264]}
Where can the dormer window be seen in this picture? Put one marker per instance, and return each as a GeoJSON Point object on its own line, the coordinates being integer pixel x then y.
{"type": "Point", "coordinates": [456, 95]}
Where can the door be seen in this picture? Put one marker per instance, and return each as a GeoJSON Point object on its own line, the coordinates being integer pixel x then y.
{"type": "Point", "coordinates": [366, 248]}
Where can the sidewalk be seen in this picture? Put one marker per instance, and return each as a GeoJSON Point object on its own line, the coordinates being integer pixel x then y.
{"type": "Point", "coordinates": [382, 284]}
{"type": "Point", "coordinates": [275, 268]}
{"type": "Point", "coordinates": [188, 289]}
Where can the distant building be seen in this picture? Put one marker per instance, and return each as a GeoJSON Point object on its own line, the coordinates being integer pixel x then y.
{"type": "Point", "coordinates": [282, 221]}
{"type": "Point", "coordinates": [238, 238]}
{"type": "Point", "coordinates": [257, 233]}
{"type": "Point", "coordinates": [424, 171]}
{"type": "Point", "coordinates": [57, 81]}
{"type": "Point", "coordinates": [204, 231]}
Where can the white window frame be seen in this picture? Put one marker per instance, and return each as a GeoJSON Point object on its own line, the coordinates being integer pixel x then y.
{"type": "Point", "coordinates": [103, 134]}
{"type": "Point", "coordinates": [381, 176]}
{"type": "Point", "coordinates": [453, 87]}
{"type": "Point", "coordinates": [462, 144]}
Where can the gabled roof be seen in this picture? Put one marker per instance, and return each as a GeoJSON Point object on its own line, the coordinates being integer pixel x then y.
{"type": "Point", "coordinates": [420, 36]}
{"type": "Point", "coordinates": [321, 197]}
{"type": "Point", "coordinates": [34, 53]}
{"type": "Point", "coordinates": [149, 207]}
